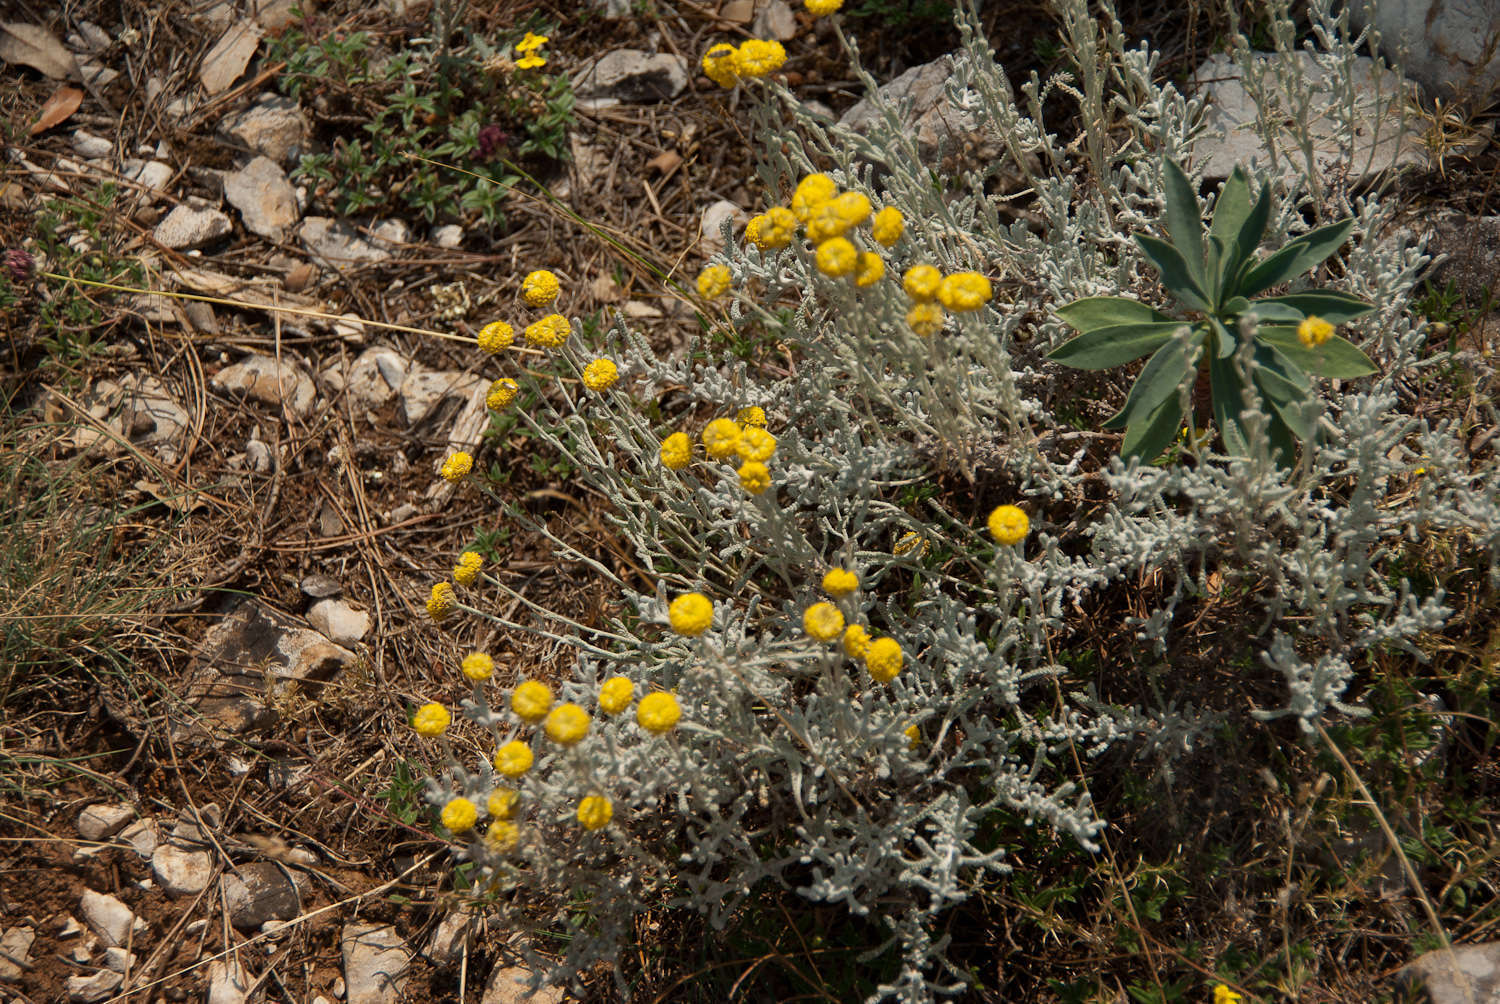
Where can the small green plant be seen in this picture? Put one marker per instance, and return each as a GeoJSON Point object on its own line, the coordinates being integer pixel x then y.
{"type": "Point", "coordinates": [1286, 337]}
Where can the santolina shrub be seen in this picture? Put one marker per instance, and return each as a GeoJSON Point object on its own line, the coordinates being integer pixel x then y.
{"type": "Point", "coordinates": [844, 684]}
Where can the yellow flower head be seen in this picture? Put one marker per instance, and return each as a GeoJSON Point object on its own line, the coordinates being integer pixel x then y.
{"type": "Point", "coordinates": [595, 812]}
{"type": "Point", "coordinates": [457, 466]}
{"type": "Point", "coordinates": [839, 582]}
{"type": "Point", "coordinates": [513, 759]}
{"type": "Point", "coordinates": [721, 438]}
{"type": "Point", "coordinates": [467, 569]}
{"type": "Point", "coordinates": [567, 724]}
{"type": "Point", "coordinates": [777, 227]}
{"type": "Point", "coordinates": [540, 288]}
{"type": "Point", "coordinates": [502, 803]}
{"type": "Point", "coordinates": [812, 191]}
{"type": "Point", "coordinates": [440, 603]}
{"type": "Point", "coordinates": [1314, 331]}
{"type": "Point", "coordinates": [431, 720]}
{"type": "Point", "coordinates": [910, 543]}
{"type": "Point", "coordinates": [826, 222]}
{"type": "Point", "coordinates": [836, 257]}
{"type": "Point", "coordinates": [600, 374]}
{"type": "Point", "coordinates": [676, 451]}
{"type": "Point", "coordinates": [822, 8]}
{"type": "Point", "coordinates": [755, 443]}
{"type": "Point", "coordinates": [658, 712]}
{"type": "Point", "coordinates": [478, 666]}
{"type": "Point", "coordinates": [822, 621]}
{"type": "Point", "coordinates": [964, 291]}
{"type": "Point", "coordinates": [868, 269]}
{"type": "Point", "coordinates": [752, 417]}
{"type": "Point", "coordinates": [852, 207]}
{"type": "Point", "coordinates": [691, 614]}
{"type": "Point", "coordinates": [502, 392]}
{"type": "Point", "coordinates": [502, 835]}
{"type": "Point", "coordinates": [925, 318]}
{"type": "Point", "coordinates": [1224, 995]}
{"type": "Point", "coordinates": [1009, 525]}
{"type": "Point", "coordinates": [713, 282]}
{"type": "Point", "coordinates": [531, 701]}
{"type": "Point", "coordinates": [459, 815]}
{"type": "Point", "coordinates": [530, 61]}
{"type": "Point", "coordinates": [531, 42]}
{"type": "Point", "coordinates": [496, 336]}
{"type": "Point", "coordinates": [856, 641]}
{"type": "Point", "coordinates": [616, 694]}
{"type": "Point", "coordinates": [758, 57]}
{"type": "Point", "coordinates": [721, 64]}
{"type": "Point", "coordinates": [888, 227]}
{"type": "Point", "coordinates": [913, 737]}
{"type": "Point", "coordinates": [550, 332]}
{"type": "Point", "coordinates": [755, 477]}
{"type": "Point", "coordinates": [921, 282]}
{"type": "Point", "coordinates": [884, 659]}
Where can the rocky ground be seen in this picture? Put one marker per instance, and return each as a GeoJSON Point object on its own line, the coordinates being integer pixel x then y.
{"type": "Point", "coordinates": [239, 816]}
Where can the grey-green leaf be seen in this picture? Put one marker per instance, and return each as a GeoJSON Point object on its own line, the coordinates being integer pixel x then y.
{"type": "Point", "coordinates": [1104, 348]}
{"type": "Point", "coordinates": [1331, 305]}
{"type": "Point", "coordinates": [1107, 311]}
{"type": "Point", "coordinates": [1232, 208]}
{"type": "Point", "coordinates": [1185, 219]}
{"type": "Point", "coordinates": [1224, 380]}
{"type": "Point", "coordinates": [1147, 438]}
{"type": "Point", "coordinates": [1161, 377]}
{"type": "Point", "coordinates": [1175, 274]}
{"type": "Point", "coordinates": [1337, 359]}
{"type": "Point", "coordinates": [1295, 258]}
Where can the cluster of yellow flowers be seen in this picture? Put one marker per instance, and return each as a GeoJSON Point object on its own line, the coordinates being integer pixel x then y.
{"type": "Point", "coordinates": [959, 292]}
{"type": "Point", "coordinates": [829, 218]}
{"type": "Point", "coordinates": [743, 437]}
{"type": "Point", "coordinates": [824, 622]}
{"type": "Point", "coordinates": [566, 724]}
{"type": "Point", "coordinates": [725, 64]}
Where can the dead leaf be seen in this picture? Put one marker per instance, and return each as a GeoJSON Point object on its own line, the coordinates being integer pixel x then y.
{"type": "Point", "coordinates": [63, 103]}
{"type": "Point", "coordinates": [665, 162]}
{"type": "Point", "coordinates": [37, 48]}
{"type": "Point", "coordinates": [229, 56]}
{"type": "Point", "coordinates": [178, 501]}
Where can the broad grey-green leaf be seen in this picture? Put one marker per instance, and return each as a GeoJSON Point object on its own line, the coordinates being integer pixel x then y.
{"type": "Point", "coordinates": [1331, 305]}
{"type": "Point", "coordinates": [1272, 309]}
{"type": "Point", "coordinates": [1147, 438]}
{"type": "Point", "coordinates": [1105, 348]}
{"type": "Point", "coordinates": [1224, 380]}
{"type": "Point", "coordinates": [1247, 240]}
{"type": "Point", "coordinates": [1295, 258]}
{"type": "Point", "coordinates": [1232, 207]}
{"type": "Point", "coordinates": [1284, 388]}
{"type": "Point", "coordinates": [1185, 219]}
{"type": "Point", "coordinates": [1226, 338]}
{"type": "Point", "coordinates": [1337, 359]}
{"type": "Point", "coordinates": [1160, 378]}
{"type": "Point", "coordinates": [1106, 311]}
{"type": "Point", "coordinates": [1175, 274]}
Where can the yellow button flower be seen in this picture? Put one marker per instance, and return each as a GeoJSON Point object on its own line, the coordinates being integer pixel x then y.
{"type": "Point", "coordinates": [910, 543]}
{"type": "Point", "coordinates": [812, 191]}
{"type": "Point", "coordinates": [755, 443]}
{"type": "Point", "coordinates": [755, 477]}
{"type": "Point", "coordinates": [964, 291]}
{"type": "Point", "coordinates": [751, 417]}
{"type": "Point", "coordinates": [567, 724]}
{"type": "Point", "coordinates": [721, 438]}
{"type": "Point", "coordinates": [616, 694]}
{"type": "Point", "coordinates": [1224, 995]}
{"type": "Point", "coordinates": [826, 223]}
{"type": "Point", "coordinates": [856, 641]}
{"type": "Point", "coordinates": [595, 812]}
{"type": "Point", "coordinates": [884, 659]}
{"type": "Point", "coordinates": [852, 207]}
{"type": "Point", "coordinates": [550, 332]}
{"type": "Point", "coordinates": [921, 282]}
{"type": "Point", "coordinates": [839, 582]}
{"type": "Point", "coordinates": [777, 227]}
{"type": "Point", "coordinates": [513, 759]}
{"type": "Point", "coordinates": [691, 614]}
{"type": "Point", "coordinates": [496, 336]}
{"type": "Point", "coordinates": [836, 257]}
{"type": "Point", "coordinates": [721, 64]}
{"type": "Point", "coordinates": [502, 836]}
{"type": "Point", "coordinates": [822, 8]}
{"type": "Point", "coordinates": [457, 466]}
{"type": "Point", "coordinates": [478, 666]}
{"type": "Point", "coordinates": [676, 451]}
{"type": "Point", "coordinates": [600, 374]}
{"type": "Point", "coordinates": [758, 57]}
{"type": "Point", "coordinates": [888, 227]}
{"type": "Point", "coordinates": [1009, 525]}
{"type": "Point", "coordinates": [913, 737]}
{"type": "Point", "coordinates": [440, 603]}
{"type": "Point", "coordinates": [431, 720]}
{"type": "Point", "coordinates": [1314, 331]}
{"type": "Point", "coordinates": [501, 393]}
{"type": "Point", "coordinates": [658, 712]}
{"type": "Point", "coordinates": [459, 815]}
{"type": "Point", "coordinates": [531, 701]}
{"type": "Point", "coordinates": [540, 288]}
{"type": "Point", "coordinates": [868, 269]}
{"type": "Point", "coordinates": [502, 802]}
{"type": "Point", "coordinates": [468, 567]}
{"type": "Point", "coordinates": [925, 318]}
{"type": "Point", "coordinates": [713, 282]}
{"type": "Point", "coordinates": [822, 621]}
